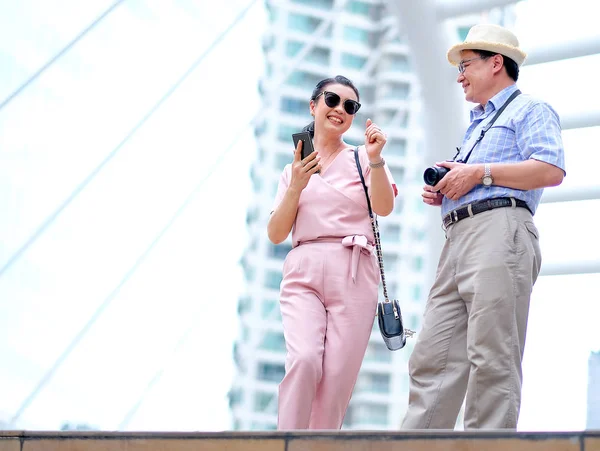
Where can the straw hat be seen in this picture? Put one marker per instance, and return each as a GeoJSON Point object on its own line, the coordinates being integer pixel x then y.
{"type": "Point", "coordinates": [492, 38]}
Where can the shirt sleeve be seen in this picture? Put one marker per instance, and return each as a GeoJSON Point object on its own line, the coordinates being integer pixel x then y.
{"type": "Point", "coordinates": [364, 162]}
{"type": "Point", "coordinates": [540, 137]}
{"type": "Point", "coordinates": [284, 181]}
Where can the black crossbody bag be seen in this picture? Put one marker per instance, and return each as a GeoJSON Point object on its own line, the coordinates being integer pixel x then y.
{"type": "Point", "coordinates": [389, 316]}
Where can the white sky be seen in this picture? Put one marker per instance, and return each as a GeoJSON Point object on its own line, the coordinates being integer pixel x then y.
{"type": "Point", "coordinates": [62, 126]}
{"type": "Point", "coordinates": [51, 137]}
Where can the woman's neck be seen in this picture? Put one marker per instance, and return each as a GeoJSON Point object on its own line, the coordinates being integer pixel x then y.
{"type": "Point", "coordinates": [327, 145]}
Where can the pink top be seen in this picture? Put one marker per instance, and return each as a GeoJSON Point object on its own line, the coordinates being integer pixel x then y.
{"type": "Point", "coordinates": [333, 204]}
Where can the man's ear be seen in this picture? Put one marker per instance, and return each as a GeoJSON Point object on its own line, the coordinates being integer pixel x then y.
{"type": "Point", "coordinates": [312, 108]}
{"type": "Point", "coordinates": [498, 62]}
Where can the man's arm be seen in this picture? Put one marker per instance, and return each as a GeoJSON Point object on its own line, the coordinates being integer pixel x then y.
{"type": "Point", "coordinates": [539, 141]}
{"type": "Point", "coordinates": [526, 175]}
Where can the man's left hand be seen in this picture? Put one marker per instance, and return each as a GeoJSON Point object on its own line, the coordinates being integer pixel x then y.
{"type": "Point", "coordinates": [461, 179]}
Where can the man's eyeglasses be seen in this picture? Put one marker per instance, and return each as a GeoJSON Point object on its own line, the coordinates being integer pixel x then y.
{"type": "Point", "coordinates": [461, 65]}
{"type": "Point", "coordinates": [332, 100]}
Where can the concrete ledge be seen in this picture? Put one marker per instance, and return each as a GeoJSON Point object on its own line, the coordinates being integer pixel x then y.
{"type": "Point", "coordinates": [301, 441]}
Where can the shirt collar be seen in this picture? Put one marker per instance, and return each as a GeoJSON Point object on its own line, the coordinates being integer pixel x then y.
{"type": "Point", "coordinates": [494, 103]}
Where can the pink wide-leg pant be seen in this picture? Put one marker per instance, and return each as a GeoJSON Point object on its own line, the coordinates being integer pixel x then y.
{"type": "Point", "coordinates": [328, 303]}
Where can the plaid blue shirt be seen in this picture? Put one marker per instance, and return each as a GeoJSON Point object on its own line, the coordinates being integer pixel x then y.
{"type": "Point", "coordinates": [527, 128]}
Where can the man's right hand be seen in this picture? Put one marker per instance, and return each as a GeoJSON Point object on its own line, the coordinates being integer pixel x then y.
{"type": "Point", "coordinates": [431, 196]}
{"type": "Point", "coordinates": [303, 169]}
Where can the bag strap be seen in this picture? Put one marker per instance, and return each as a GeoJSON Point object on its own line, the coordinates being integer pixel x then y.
{"type": "Point", "coordinates": [489, 125]}
{"type": "Point", "coordinates": [375, 229]}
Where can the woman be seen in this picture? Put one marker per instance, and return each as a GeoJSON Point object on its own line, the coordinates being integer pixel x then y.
{"type": "Point", "coordinates": [331, 276]}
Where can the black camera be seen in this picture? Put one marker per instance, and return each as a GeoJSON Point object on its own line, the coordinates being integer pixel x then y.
{"type": "Point", "coordinates": [434, 174]}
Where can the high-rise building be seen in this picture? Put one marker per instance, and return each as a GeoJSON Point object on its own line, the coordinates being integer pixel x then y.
{"type": "Point", "coordinates": [593, 392]}
{"type": "Point", "coordinates": [306, 41]}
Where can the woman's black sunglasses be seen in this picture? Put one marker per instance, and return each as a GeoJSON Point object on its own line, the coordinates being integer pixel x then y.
{"type": "Point", "coordinates": [332, 100]}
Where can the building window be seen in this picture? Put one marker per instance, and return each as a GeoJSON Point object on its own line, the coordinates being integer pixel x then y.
{"type": "Point", "coordinates": [253, 244]}
{"type": "Point", "coordinates": [399, 39]}
{"type": "Point", "coordinates": [390, 233]}
{"type": "Point", "coordinates": [244, 304]}
{"type": "Point", "coordinates": [279, 251]}
{"type": "Point", "coordinates": [367, 94]}
{"type": "Point", "coordinates": [292, 48]}
{"type": "Point", "coordinates": [321, 4]}
{"type": "Point", "coordinates": [273, 279]}
{"type": "Point", "coordinates": [271, 372]}
{"type": "Point", "coordinates": [235, 397]}
{"type": "Point", "coordinates": [417, 292]}
{"type": "Point", "coordinates": [414, 322]}
{"type": "Point", "coordinates": [397, 174]}
{"type": "Point", "coordinates": [356, 7]}
{"type": "Point", "coordinates": [303, 80]}
{"type": "Point", "coordinates": [256, 180]}
{"type": "Point", "coordinates": [273, 341]}
{"type": "Point", "coordinates": [319, 55]}
{"type": "Point", "coordinates": [262, 426]}
{"type": "Point", "coordinates": [281, 159]}
{"type": "Point", "coordinates": [462, 33]}
{"type": "Point", "coordinates": [391, 261]}
{"type": "Point", "coordinates": [353, 61]}
{"type": "Point", "coordinates": [371, 414]}
{"type": "Point", "coordinates": [417, 234]}
{"type": "Point", "coordinates": [251, 215]}
{"type": "Point", "coordinates": [249, 272]}
{"type": "Point", "coordinates": [304, 24]}
{"type": "Point", "coordinates": [377, 383]}
{"type": "Point", "coordinates": [284, 133]}
{"type": "Point", "coordinates": [294, 106]}
{"type": "Point", "coordinates": [399, 63]}
{"type": "Point", "coordinates": [265, 402]}
{"type": "Point", "coordinates": [396, 147]}
{"type": "Point", "coordinates": [354, 34]}
{"type": "Point", "coordinates": [377, 352]}
{"type": "Point", "coordinates": [271, 12]}
{"type": "Point", "coordinates": [418, 263]}
{"type": "Point", "coordinates": [268, 308]}
{"type": "Point", "coordinates": [398, 91]}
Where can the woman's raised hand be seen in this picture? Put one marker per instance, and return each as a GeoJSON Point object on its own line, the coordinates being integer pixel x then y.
{"type": "Point", "coordinates": [375, 139]}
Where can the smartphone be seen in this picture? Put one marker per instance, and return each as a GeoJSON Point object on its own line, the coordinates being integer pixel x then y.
{"type": "Point", "coordinates": [307, 144]}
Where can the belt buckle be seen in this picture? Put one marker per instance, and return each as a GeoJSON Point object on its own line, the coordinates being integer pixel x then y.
{"type": "Point", "coordinates": [451, 218]}
{"type": "Point", "coordinates": [447, 220]}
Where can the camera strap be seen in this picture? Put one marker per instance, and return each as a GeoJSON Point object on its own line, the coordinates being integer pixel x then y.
{"type": "Point", "coordinates": [489, 125]}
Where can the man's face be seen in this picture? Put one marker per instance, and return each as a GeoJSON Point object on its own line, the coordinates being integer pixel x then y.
{"type": "Point", "coordinates": [476, 78]}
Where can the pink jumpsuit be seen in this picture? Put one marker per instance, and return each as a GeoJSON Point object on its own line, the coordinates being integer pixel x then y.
{"type": "Point", "coordinates": [328, 294]}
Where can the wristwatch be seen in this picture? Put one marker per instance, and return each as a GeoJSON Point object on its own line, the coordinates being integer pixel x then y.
{"type": "Point", "coordinates": [487, 179]}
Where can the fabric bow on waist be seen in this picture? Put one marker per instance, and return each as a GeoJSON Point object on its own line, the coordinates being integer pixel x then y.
{"type": "Point", "coordinates": [359, 244]}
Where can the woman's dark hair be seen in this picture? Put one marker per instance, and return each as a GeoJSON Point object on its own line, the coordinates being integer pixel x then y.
{"type": "Point", "coordinates": [339, 79]}
{"type": "Point", "coordinates": [512, 68]}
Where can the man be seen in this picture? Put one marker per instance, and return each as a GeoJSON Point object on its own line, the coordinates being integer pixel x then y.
{"type": "Point", "coordinates": [473, 333]}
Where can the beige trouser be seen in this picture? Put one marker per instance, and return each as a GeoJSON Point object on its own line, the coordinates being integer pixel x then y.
{"type": "Point", "coordinates": [474, 324]}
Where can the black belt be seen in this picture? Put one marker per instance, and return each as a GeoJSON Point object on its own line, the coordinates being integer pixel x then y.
{"type": "Point", "coordinates": [479, 207]}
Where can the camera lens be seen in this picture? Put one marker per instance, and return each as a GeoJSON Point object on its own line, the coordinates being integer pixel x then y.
{"type": "Point", "coordinates": [434, 174]}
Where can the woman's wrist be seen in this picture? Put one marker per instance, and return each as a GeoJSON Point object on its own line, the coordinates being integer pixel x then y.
{"type": "Point", "coordinates": [378, 162]}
